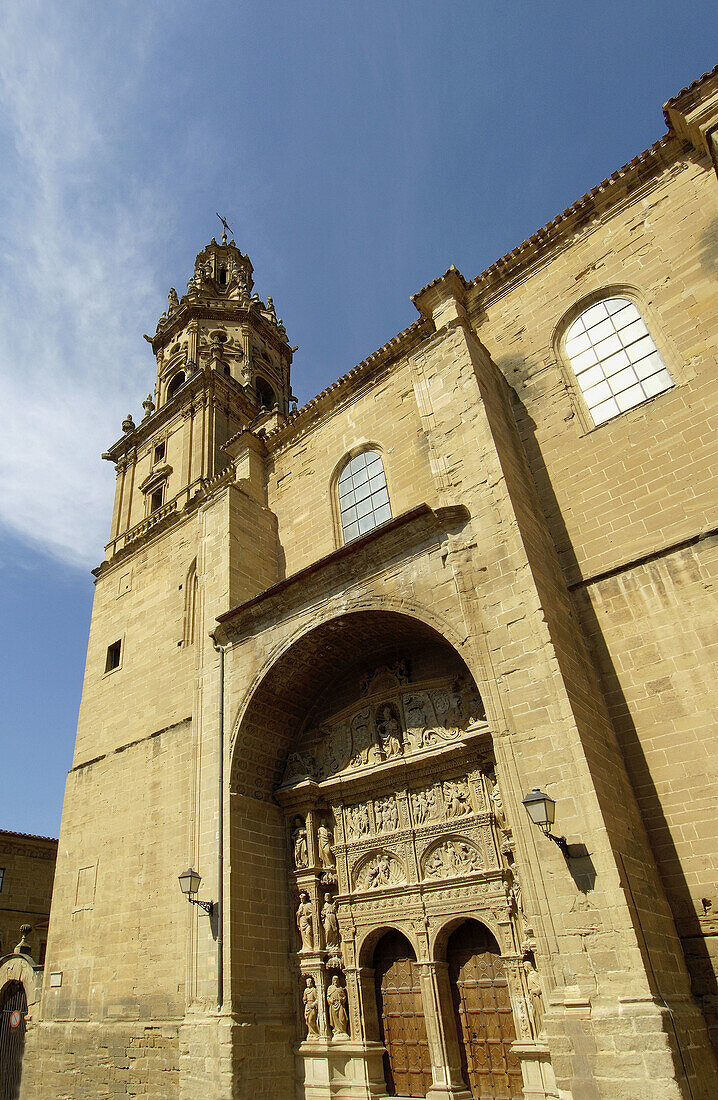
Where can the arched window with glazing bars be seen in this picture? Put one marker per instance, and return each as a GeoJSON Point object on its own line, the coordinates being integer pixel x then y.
{"type": "Point", "coordinates": [614, 358]}
{"type": "Point", "coordinates": [363, 495]}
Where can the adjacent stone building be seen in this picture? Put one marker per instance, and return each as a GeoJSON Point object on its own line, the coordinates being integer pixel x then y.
{"type": "Point", "coordinates": [333, 650]}
{"type": "Point", "coordinates": [27, 868]}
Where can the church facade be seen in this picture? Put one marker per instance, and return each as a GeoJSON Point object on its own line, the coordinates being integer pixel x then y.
{"type": "Point", "coordinates": [333, 651]}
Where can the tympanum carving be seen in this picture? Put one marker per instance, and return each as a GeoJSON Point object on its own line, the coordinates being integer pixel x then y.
{"type": "Point", "coordinates": [393, 720]}
{"type": "Point", "coordinates": [379, 871]}
{"type": "Point", "coordinates": [389, 730]}
{"type": "Point", "coordinates": [451, 857]}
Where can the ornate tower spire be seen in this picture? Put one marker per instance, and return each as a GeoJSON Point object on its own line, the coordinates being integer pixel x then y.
{"type": "Point", "coordinates": [223, 364]}
{"type": "Point", "coordinates": [223, 325]}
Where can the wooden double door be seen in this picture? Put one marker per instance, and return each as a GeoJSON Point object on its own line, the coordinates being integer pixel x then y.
{"type": "Point", "coordinates": [483, 1014]}
{"type": "Point", "coordinates": [482, 1011]}
{"type": "Point", "coordinates": [13, 1011]}
{"type": "Point", "coordinates": [407, 1064]}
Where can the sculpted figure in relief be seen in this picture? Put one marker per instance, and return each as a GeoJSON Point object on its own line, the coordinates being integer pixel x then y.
{"type": "Point", "coordinates": [514, 896]}
{"type": "Point", "coordinates": [338, 1016]}
{"type": "Point", "coordinates": [299, 836]}
{"type": "Point", "coordinates": [386, 814]}
{"type": "Point", "coordinates": [357, 821]}
{"type": "Point", "coordinates": [498, 804]}
{"type": "Point", "coordinates": [383, 870]}
{"type": "Point", "coordinates": [330, 924]}
{"type": "Point", "coordinates": [389, 731]}
{"type": "Point", "coordinates": [456, 798]}
{"type": "Point", "coordinates": [364, 748]}
{"type": "Point", "coordinates": [305, 922]}
{"type": "Point", "coordinates": [424, 803]}
{"type": "Point", "coordinates": [311, 1009]}
{"type": "Point", "coordinates": [325, 840]}
{"type": "Point", "coordinates": [453, 857]}
{"type": "Point", "coordinates": [533, 984]}
{"type": "Point", "coordinates": [380, 874]}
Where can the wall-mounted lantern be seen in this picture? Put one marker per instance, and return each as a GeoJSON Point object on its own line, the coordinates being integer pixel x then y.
{"type": "Point", "coordinates": [541, 808]}
{"type": "Point", "coordinates": [189, 884]}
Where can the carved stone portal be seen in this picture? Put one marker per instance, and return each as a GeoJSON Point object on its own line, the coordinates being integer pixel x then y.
{"type": "Point", "coordinates": [417, 838]}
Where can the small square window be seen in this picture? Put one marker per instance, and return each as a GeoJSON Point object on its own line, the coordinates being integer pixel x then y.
{"type": "Point", "coordinates": [159, 452]}
{"type": "Point", "coordinates": [157, 498]}
{"type": "Point", "coordinates": [114, 652]}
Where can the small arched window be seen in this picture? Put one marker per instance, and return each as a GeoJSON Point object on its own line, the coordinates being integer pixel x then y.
{"type": "Point", "coordinates": [175, 384]}
{"type": "Point", "coordinates": [265, 394]}
{"type": "Point", "coordinates": [363, 496]}
{"type": "Point", "coordinates": [614, 358]}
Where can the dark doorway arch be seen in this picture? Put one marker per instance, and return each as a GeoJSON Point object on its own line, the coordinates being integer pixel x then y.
{"type": "Point", "coordinates": [402, 1028]}
{"type": "Point", "coordinates": [13, 1013]}
{"type": "Point", "coordinates": [483, 1013]}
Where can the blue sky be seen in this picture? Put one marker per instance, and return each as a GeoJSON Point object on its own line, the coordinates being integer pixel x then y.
{"type": "Point", "coordinates": [357, 150]}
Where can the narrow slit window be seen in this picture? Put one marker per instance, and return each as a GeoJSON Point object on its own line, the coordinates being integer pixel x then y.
{"type": "Point", "coordinates": [114, 653]}
{"type": "Point", "coordinates": [614, 358]}
{"type": "Point", "coordinates": [363, 495]}
{"type": "Point", "coordinates": [2, 877]}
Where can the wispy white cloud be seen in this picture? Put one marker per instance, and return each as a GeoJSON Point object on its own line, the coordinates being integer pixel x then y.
{"type": "Point", "coordinates": [76, 280]}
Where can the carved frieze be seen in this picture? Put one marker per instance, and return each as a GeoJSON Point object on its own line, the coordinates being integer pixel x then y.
{"type": "Point", "coordinates": [393, 719]}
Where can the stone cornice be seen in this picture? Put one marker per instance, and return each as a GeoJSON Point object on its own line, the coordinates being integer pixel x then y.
{"type": "Point", "coordinates": [32, 837]}
{"type": "Point", "coordinates": [393, 533]}
{"type": "Point", "coordinates": [606, 198]}
{"type": "Point", "coordinates": [204, 381]}
{"type": "Point", "coordinates": [222, 312]}
{"type": "Point", "coordinates": [347, 386]}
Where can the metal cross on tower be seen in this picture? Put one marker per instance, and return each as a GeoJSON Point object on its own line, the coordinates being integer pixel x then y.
{"type": "Point", "coordinates": [225, 228]}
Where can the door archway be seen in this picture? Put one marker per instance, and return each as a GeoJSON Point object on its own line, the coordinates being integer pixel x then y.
{"type": "Point", "coordinates": [402, 1028]}
{"type": "Point", "coordinates": [483, 1014]}
{"type": "Point", "coordinates": [13, 1012]}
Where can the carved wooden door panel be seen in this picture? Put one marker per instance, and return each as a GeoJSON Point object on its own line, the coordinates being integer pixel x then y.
{"type": "Point", "coordinates": [485, 1021]}
{"type": "Point", "coordinates": [407, 1064]}
{"type": "Point", "coordinates": [13, 1010]}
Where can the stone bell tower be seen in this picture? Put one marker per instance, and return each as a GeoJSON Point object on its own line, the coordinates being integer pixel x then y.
{"type": "Point", "coordinates": [191, 535]}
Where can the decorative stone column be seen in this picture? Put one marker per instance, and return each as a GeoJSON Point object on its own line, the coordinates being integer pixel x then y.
{"type": "Point", "coordinates": [448, 1082]}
